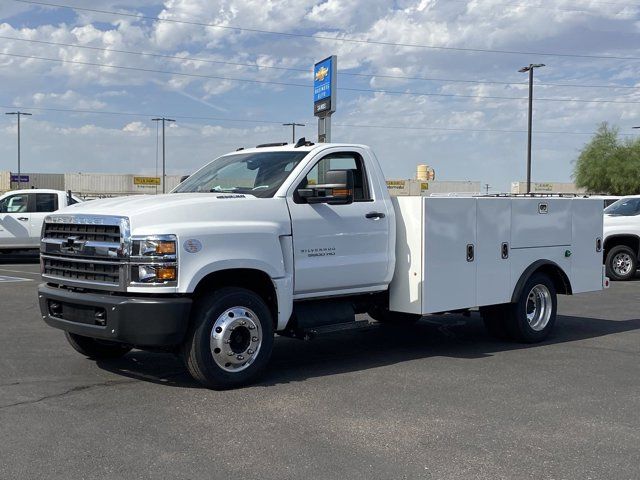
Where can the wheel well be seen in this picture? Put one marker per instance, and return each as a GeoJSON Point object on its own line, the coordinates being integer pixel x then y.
{"type": "Point", "coordinates": [631, 241]}
{"type": "Point", "coordinates": [553, 271]}
{"type": "Point", "coordinates": [559, 278]}
{"type": "Point", "coordinates": [255, 280]}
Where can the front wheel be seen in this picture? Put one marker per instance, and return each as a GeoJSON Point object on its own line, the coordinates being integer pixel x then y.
{"type": "Point", "coordinates": [96, 349]}
{"type": "Point", "coordinates": [230, 340]}
{"type": "Point", "coordinates": [621, 263]}
{"type": "Point", "coordinates": [532, 317]}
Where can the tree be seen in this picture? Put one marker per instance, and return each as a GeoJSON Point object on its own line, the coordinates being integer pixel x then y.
{"type": "Point", "coordinates": [609, 165]}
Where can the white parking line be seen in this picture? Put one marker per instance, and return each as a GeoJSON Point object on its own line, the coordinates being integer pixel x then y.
{"type": "Point", "coordinates": [20, 271]}
{"type": "Point", "coordinates": [5, 279]}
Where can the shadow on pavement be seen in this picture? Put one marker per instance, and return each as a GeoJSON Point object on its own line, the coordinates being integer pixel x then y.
{"type": "Point", "coordinates": [26, 257]}
{"type": "Point", "coordinates": [295, 360]}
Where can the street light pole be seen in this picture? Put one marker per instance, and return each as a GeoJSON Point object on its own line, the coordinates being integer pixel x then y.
{"type": "Point", "coordinates": [530, 69]}
{"type": "Point", "coordinates": [164, 171]}
{"type": "Point", "coordinates": [18, 114]}
{"type": "Point", "coordinates": [293, 125]}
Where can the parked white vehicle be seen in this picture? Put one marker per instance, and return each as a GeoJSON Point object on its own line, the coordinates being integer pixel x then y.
{"type": "Point", "coordinates": [622, 238]}
{"type": "Point", "coordinates": [297, 240]}
{"type": "Point", "coordinates": [22, 213]}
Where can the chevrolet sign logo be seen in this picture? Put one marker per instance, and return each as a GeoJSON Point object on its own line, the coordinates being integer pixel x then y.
{"type": "Point", "coordinates": [72, 245]}
{"type": "Point", "coordinates": [321, 74]}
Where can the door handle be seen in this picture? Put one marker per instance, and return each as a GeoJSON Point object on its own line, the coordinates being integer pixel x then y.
{"type": "Point", "coordinates": [23, 219]}
{"type": "Point", "coordinates": [374, 215]}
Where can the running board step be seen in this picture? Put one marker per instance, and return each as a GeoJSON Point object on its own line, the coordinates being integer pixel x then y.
{"type": "Point", "coordinates": [309, 333]}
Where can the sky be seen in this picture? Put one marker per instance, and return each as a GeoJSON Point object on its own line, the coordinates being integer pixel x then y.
{"type": "Point", "coordinates": [424, 81]}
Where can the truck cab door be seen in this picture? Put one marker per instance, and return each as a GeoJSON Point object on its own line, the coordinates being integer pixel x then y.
{"type": "Point", "coordinates": [43, 204]}
{"type": "Point", "coordinates": [15, 219]}
{"type": "Point", "coordinates": [345, 247]}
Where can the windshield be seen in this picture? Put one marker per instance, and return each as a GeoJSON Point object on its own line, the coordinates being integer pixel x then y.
{"type": "Point", "coordinates": [624, 207]}
{"type": "Point", "coordinates": [259, 174]}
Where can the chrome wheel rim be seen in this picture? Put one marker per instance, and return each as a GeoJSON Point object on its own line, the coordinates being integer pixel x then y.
{"type": "Point", "coordinates": [236, 338]}
{"type": "Point", "coordinates": [539, 307]}
{"type": "Point", "coordinates": [621, 264]}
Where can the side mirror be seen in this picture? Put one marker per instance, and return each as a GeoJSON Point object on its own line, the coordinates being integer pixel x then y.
{"type": "Point", "coordinates": [183, 178]}
{"type": "Point", "coordinates": [338, 189]}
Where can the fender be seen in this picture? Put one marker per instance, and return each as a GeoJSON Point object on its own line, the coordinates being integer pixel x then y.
{"type": "Point", "coordinates": [531, 269]}
{"type": "Point", "coordinates": [614, 236]}
{"type": "Point", "coordinates": [229, 264]}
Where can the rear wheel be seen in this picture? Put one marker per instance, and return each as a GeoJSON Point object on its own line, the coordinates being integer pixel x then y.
{"type": "Point", "coordinates": [621, 263]}
{"type": "Point", "coordinates": [532, 317]}
{"type": "Point", "coordinates": [95, 348]}
{"type": "Point", "coordinates": [230, 340]}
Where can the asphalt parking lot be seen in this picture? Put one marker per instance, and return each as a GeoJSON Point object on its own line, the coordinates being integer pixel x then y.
{"type": "Point", "coordinates": [438, 400]}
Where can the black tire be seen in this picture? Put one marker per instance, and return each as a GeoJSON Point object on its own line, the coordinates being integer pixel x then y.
{"type": "Point", "coordinates": [383, 315]}
{"type": "Point", "coordinates": [518, 326]}
{"type": "Point", "coordinates": [197, 352]}
{"type": "Point", "coordinates": [96, 349]}
{"type": "Point", "coordinates": [621, 253]}
{"type": "Point", "coordinates": [493, 317]}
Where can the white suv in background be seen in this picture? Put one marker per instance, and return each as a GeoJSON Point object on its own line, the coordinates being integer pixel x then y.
{"type": "Point", "coordinates": [622, 238]}
{"type": "Point", "coordinates": [22, 213]}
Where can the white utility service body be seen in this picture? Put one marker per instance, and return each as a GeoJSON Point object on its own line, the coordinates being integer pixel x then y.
{"type": "Point", "coordinates": [22, 213]}
{"type": "Point", "coordinates": [298, 239]}
{"type": "Point", "coordinates": [506, 235]}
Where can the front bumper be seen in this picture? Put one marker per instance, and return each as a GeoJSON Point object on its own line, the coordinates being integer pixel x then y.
{"type": "Point", "coordinates": [141, 321]}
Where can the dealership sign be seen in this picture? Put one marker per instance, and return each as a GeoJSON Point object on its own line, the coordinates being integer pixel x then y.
{"type": "Point", "coordinates": [324, 86]}
{"type": "Point", "coordinates": [20, 178]}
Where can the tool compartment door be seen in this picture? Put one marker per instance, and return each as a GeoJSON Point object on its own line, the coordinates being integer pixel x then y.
{"type": "Point", "coordinates": [449, 278]}
{"type": "Point", "coordinates": [540, 222]}
{"type": "Point", "coordinates": [493, 230]}
{"type": "Point", "coordinates": [586, 258]}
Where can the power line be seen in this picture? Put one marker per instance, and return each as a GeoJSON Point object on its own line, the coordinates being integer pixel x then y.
{"type": "Point", "coordinates": [555, 8]}
{"type": "Point", "coordinates": [300, 85]}
{"type": "Point", "coordinates": [279, 123]}
{"type": "Point", "coordinates": [308, 70]}
{"type": "Point", "coordinates": [146, 115]}
{"type": "Point", "coordinates": [324, 37]}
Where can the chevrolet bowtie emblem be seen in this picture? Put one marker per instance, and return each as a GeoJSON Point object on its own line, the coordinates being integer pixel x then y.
{"type": "Point", "coordinates": [322, 73]}
{"type": "Point", "coordinates": [72, 245]}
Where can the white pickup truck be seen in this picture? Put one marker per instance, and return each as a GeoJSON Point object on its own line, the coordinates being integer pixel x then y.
{"type": "Point", "coordinates": [22, 213]}
{"type": "Point", "coordinates": [622, 238]}
{"type": "Point", "coordinates": [297, 240]}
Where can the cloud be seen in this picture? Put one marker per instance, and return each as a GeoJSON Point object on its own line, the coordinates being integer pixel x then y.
{"type": "Point", "coordinates": [590, 27]}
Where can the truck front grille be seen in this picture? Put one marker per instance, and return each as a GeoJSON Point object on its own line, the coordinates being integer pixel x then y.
{"type": "Point", "coordinates": [86, 271]}
{"type": "Point", "coordinates": [90, 251]}
{"type": "Point", "coordinates": [95, 233]}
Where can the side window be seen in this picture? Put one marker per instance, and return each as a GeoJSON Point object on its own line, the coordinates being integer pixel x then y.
{"type": "Point", "coordinates": [15, 204]}
{"type": "Point", "coordinates": [46, 202]}
{"type": "Point", "coordinates": [341, 161]}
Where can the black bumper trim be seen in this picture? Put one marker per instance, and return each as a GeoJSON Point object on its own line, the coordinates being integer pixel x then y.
{"type": "Point", "coordinates": [141, 321]}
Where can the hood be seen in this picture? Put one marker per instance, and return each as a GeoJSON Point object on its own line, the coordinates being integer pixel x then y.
{"type": "Point", "coordinates": [168, 212]}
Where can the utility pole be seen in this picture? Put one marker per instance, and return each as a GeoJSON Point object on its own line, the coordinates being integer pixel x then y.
{"type": "Point", "coordinates": [164, 163]}
{"type": "Point", "coordinates": [530, 69]}
{"type": "Point", "coordinates": [293, 125]}
{"type": "Point", "coordinates": [19, 114]}
{"type": "Point", "coordinates": [487, 187]}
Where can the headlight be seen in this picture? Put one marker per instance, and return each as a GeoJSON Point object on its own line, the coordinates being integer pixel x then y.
{"type": "Point", "coordinates": [154, 260]}
{"type": "Point", "coordinates": [160, 246]}
{"type": "Point", "coordinates": [154, 273]}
